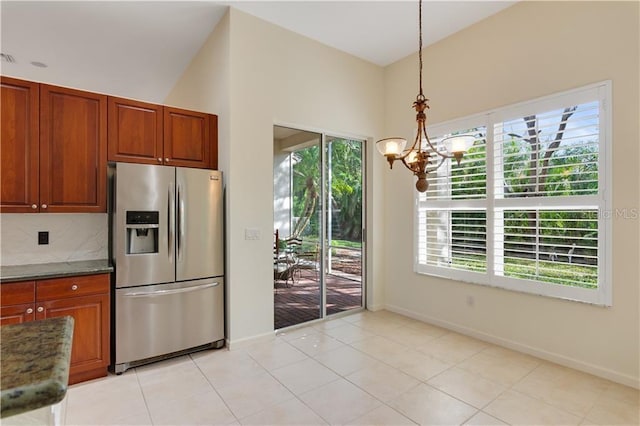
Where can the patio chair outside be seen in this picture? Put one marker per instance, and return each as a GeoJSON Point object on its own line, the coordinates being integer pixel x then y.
{"type": "Point", "coordinates": [309, 260]}
{"type": "Point", "coordinates": [285, 260]}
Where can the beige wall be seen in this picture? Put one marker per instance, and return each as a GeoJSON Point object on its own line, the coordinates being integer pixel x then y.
{"type": "Point", "coordinates": [528, 50]}
{"type": "Point", "coordinates": [205, 86]}
{"type": "Point", "coordinates": [254, 75]}
{"type": "Point", "coordinates": [275, 77]}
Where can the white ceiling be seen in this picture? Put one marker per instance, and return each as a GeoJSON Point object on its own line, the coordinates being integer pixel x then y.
{"type": "Point", "coordinates": [139, 49]}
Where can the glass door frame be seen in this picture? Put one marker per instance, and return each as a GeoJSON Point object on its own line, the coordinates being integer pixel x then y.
{"type": "Point", "coordinates": [324, 206]}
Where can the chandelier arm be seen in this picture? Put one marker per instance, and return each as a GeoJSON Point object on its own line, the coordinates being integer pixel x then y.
{"type": "Point", "coordinates": [407, 165]}
{"type": "Point", "coordinates": [440, 163]}
{"type": "Point", "coordinates": [408, 151]}
{"type": "Point", "coordinates": [444, 156]}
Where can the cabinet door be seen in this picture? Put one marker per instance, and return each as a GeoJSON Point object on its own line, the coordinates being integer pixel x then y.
{"type": "Point", "coordinates": [73, 150]}
{"type": "Point", "coordinates": [187, 138]}
{"type": "Point", "coordinates": [214, 142]}
{"type": "Point", "coordinates": [19, 144]}
{"type": "Point", "coordinates": [135, 131]}
{"type": "Point", "coordinates": [16, 314]}
{"type": "Point", "coordinates": [90, 347]}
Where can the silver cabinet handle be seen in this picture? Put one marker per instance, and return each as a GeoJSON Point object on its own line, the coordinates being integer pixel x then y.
{"type": "Point", "coordinates": [34, 206]}
{"type": "Point", "coordinates": [40, 309]}
{"type": "Point", "coordinates": [166, 159]}
{"type": "Point", "coordinates": [44, 206]}
{"type": "Point", "coordinates": [173, 291]}
{"type": "Point", "coordinates": [30, 310]}
{"type": "Point", "coordinates": [159, 160]}
{"type": "Point", "coordinates": [74, 287]}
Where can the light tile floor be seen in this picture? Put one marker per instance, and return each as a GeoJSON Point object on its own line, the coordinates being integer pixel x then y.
{"type": "Point", "coordinates": [368, 368]}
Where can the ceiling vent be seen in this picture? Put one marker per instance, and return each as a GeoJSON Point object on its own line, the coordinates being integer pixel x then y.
{"type": "Point", "coordinates": [7, 58]}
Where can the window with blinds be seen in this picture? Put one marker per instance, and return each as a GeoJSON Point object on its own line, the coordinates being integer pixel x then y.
{"type": "Point", "coordinates": [524, 209]}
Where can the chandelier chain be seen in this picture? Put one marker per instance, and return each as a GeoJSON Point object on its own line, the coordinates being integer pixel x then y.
{"type": "Point", "coordinates": [422, 157]}
{"type": "Point", "coordinates": [420, 43]}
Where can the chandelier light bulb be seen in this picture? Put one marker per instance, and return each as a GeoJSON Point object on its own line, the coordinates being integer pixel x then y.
{"type": "Point", "coordinates": [412, 157]}
{"type": "Point", "coordinates": [459, 143]}
{"type": "Point", "coordinates": [391, 146]}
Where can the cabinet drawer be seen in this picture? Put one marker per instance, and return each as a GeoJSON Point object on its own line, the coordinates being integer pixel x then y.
{"type": "Point", "coordinates": [17, 293]}
{"type": "Point", "coordinates": [72, 286]}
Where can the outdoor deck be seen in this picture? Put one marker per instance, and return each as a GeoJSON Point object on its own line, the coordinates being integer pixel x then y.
{"type": "Point", "coordinates": [301, 302]}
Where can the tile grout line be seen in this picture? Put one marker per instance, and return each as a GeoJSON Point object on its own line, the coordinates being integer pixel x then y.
{"type": "Point", "coordinates": [589, 400]}
{"type": "Point", "coordinates": [340, 376]}
{"type": "Point", "coordinates": [550, 404]}
{"type": "Point", "coordinates": [295, 395]}
{"type": "Point", "coordinates": [425, 382]}
{"type": "Point", "coordinates": [144, 398]}
{"type": "Point", "coordinates": [214, 388]}
{"type": "Point", "coordinates": [420, 381]}
{"type": "Point", "coordinates": [508, 387]}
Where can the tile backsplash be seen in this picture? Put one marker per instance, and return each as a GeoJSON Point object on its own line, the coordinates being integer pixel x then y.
{"type": "Point", "coordinates": [81, 236]}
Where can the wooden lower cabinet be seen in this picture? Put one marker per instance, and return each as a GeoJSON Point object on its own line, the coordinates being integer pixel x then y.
{"type": "Point", "coordinates": [17, 302]}
{"type": "Point", "coordinates": [86, 299]}
{"type": "Point", "coordinates": [90, 348]}
{"type": "Point", "coordinates": [17, 314]}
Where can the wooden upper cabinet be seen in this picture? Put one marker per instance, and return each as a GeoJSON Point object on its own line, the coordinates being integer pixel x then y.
{"type": "Point", "coordinates": [214, 142]}
{"type": "Point", "coordinates": [19, 144]}
{"type": "Point", "coordinates": [187, 138]}
{"type": "Point", "coordinates": [135, 131]}
{"type": "Point", "coordinates": [73, 150]}
{"type": "Point", "coordinates": [146, 133]}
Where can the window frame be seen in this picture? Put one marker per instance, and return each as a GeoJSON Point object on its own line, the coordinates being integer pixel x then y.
{"type": "Point", "coordinates": [602, 295]}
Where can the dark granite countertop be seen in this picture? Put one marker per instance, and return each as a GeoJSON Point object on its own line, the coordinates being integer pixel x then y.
{"type": "Point", "coordinates": [53, 270]}
{"type": "Point", "coordinates": [34, 364]}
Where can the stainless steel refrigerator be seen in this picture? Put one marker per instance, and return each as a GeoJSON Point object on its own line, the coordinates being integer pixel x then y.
{"type": "Point", "coordinates": [168, 251]}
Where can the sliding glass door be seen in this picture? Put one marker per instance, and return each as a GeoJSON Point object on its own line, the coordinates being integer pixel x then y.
{"type": "Point", "coordinates": [343, 208]}
{"type": "Point", "coordinates": [318, 225]}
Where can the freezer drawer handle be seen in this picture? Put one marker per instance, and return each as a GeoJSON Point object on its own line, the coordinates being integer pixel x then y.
{"type": "Point", "coordinates": [168, 292]}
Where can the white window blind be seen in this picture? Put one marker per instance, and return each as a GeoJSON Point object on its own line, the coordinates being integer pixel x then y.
{"type": "Point", "coordinates": [524, 210]}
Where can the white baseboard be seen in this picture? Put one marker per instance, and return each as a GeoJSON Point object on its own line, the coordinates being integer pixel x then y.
{"type": "Point", "coordinates": [248, 341]}
{"type": "Point", "coordinates": [586, 367]}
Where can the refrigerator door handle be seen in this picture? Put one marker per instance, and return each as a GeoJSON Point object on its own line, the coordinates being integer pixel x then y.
{"type": "Point", "coordinates": [180, 221]}
{"type": "Point", "coordinates": [169, 292]}
{"type": "Point", "coordinates": [171, 207]}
